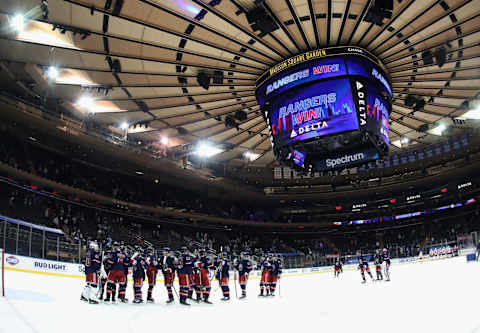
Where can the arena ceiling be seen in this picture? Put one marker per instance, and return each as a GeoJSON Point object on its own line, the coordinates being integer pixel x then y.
{"type": "Point", "coordinates": [135, 63]}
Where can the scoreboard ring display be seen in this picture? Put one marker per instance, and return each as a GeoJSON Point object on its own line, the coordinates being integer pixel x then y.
{"type": "Point", "coordinates": [327, 109]}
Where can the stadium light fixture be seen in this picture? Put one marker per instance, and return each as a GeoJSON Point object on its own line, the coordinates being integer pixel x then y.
{"type": "Point", "coordinates": [471, 114]}
{"type": "Point", "coordinates": [52, 73]}
{"type": "Point", "coordinates": [206, 149]}
{"type": "Point", "coordinates": [18, 22]}
{"type": "Point", "coordinates": [250, 156]}
{"type": "Point", "coordinates": [404, 141]}
{"type": "Point", "coordinates": [164, 140]}
{"type": "Point", "coordinates": [86, 102]}
{"type": "Point", "coordinates": [124, 126]}
{"type": "Point", "coordinates": [438, 130]}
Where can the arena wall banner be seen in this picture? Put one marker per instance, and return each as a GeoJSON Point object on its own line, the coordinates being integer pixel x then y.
{"type": "Point", "coordinates": [42, 266]}
{"type": "Point", "coordinates": [74, 270]}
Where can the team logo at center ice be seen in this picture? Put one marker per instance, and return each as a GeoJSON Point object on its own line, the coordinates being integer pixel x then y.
{"type": "Point", "coordinates": [12, 260]}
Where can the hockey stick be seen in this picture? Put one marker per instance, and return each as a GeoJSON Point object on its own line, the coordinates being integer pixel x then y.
{"type": "Point", "coordinates": [235, 283]}
{"type": "Point", "coordinates": [102, 272]}
{"type": "Point", "coordinates": [175, 290]}
{"type": "Point", "coordinates": [200, 288]}
{"type": "Point", "coordinates": [279, 288]}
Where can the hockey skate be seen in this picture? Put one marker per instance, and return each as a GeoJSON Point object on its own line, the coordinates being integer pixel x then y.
{"type": "Point", "coordinates": [83, 298]}
{"type": "Point", "coordinates": [92, 301]}
{"type": "Point", "coordinates": [225, 298]}
{"type": "Point", "coordinates": [183, 302]}
{"type": "Point", "coordinates": [243, 297]}
{"type": "Point", "coordinates": [170, 300]}
{"type": "Point", "coordinates": [205, 300]}
{"type": "Point", "coordinates": [150, 300]}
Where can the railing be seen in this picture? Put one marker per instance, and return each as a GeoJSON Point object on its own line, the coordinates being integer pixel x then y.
{"type": "Point", "coordinates": [27, 241]}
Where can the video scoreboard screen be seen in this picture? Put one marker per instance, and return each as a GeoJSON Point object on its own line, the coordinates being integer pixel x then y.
{"type": "Point", "coordinates": [323, 104]}
{"type": "Point", "coordinates": [317, 109]}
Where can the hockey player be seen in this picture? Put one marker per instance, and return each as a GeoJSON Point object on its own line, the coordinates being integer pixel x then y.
{"type": "Point", "coordinates": [386, 260]}
{"type": "Point", "coordinates": [363, 266]}
{"type": "Point", "coordinates": [92, 272]}
{"type": "Point", "coordinates": [191, 277]}
{"type": "Point", "coordinates": [244, 267]}
{"type": "Point", "coordinates": [274, 275]}
{"type": "Point", "coordinates": [122, 288]}
{"type": "Point", "coordinates": [222, 275]}
{"type": "Point", "coordinates": [264, 284]}
{"type": "Point", "coordinates": [139, 265]}
{"type": "Point", "coordinates": [152, 271]}
{"type": "Point", "coordinates": [202, 282]}
{"type": "Point", "coordinates": [337, 267]}
{"type": "Point", "coordinates": [104, 271]}
{"type": "Point", "coordinates": [116, 274]}
{"type": "Point", "coordinates": [166, 264]}
{"type": "Point", "coordinates": [184, 268]}
{"type": "Point", "coordinates": [378, 265]}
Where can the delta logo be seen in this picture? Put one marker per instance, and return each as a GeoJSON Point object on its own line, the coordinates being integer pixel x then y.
{"type": "Point", "coordinates": [12, 260]}
{"type": "Point", "coordinates": [308, 128]}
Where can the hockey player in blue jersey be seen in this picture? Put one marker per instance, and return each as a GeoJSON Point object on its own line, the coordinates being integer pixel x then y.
{"type": "Point", "coordinates": [244, 267]}
{"type": "Point", "coordinates": [184, 269]}
{"type": "Point", "coordinates": [386, 260]}
{"type": "Point", "coordinates": [378, 265]}
{"type": "Point", "coordinates": [166, 263]}
{"type": "Point", "coordinates": [191, 277]}
{"type": "Point", "coordinates": [152, 271]}
{"type": "Point", "coordinates": [139, 265]}
{"type": "Point", "coordinates": [117, 273]}
{"type": "Point", "coordinates": [223, 267]}
{"type": "Point", "coordinates": [202, 283]}
{"type": "Point", "coordinates": [122, 288]}
{"type": "Point", "coordinates": [337, 267]}
{"type": "Point", "coordinates": [274, 275]}
{"type": "Point", "coordinates": [92, 273]}
{"type": "Point", "coordinates": [104, 271]}
{"type": "Point", "coordinates": [265, 269]}
{"type": "Point", "coordinates": [363, 266]}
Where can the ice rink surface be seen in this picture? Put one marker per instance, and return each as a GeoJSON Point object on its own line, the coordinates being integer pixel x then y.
{"type": "Point", "coordinates": [438, 296]}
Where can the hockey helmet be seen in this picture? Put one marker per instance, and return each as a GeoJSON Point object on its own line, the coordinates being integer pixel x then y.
{"type": "Point", "coordinates": [93, 245]}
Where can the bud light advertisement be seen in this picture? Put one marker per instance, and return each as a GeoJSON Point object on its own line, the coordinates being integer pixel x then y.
{"type": "Point", "coordinates": [312, 111]}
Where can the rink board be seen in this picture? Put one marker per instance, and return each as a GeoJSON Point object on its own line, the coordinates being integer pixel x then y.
{"type": "Point", "coordinates": [74, 270]}
{"type": "Point", "coordinates": [435, 296]}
